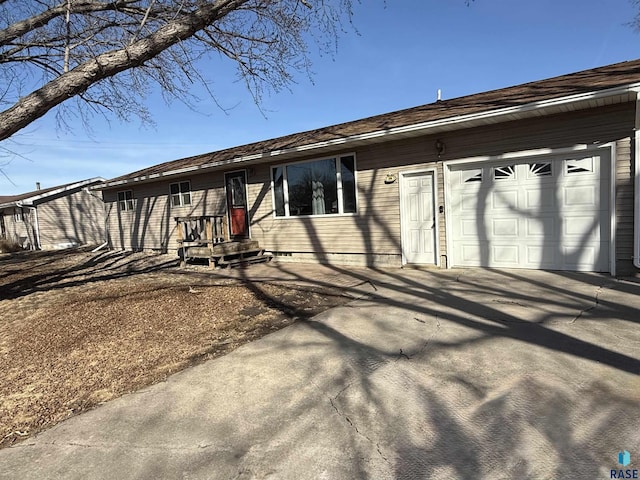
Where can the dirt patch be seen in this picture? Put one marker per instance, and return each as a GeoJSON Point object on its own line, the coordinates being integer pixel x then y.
{"type": "Point", "coordinates": [78, 329]}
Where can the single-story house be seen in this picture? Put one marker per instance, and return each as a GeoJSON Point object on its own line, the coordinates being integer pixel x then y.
{"type": "Point", "coordinates": [57, 217]}
{"type": "Point", "coordinates": [535, 176]}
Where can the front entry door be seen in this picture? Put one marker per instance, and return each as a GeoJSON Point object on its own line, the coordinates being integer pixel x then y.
{"type": "Point", "coordinates": [418, 218]}
{"type": "Point", "coordinates": [236, 188]}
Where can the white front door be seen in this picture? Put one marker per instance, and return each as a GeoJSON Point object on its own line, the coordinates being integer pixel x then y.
{"type": "Point", "coordinates": [418, 218]}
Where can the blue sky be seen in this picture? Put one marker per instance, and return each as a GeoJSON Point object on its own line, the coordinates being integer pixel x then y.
{"type": "Point", "coordinates": [403, 53]}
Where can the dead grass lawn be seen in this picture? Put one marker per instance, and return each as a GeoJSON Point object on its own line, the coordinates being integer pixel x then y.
{"type": "Point", "coordinates": [78, 329]}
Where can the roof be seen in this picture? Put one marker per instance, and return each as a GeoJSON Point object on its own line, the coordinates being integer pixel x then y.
{"type": "Point", "coordinates": [43, 194]}
{"type": "Point", "coordinates": [512, 102]}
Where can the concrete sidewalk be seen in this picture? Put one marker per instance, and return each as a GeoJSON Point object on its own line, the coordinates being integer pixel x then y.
{"type": "Point", "coordinates": [461, 374]}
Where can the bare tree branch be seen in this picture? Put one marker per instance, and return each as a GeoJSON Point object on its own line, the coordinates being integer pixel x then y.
{"type": "Point", "coordinates": [110, 54]}
{"type": "Point", "coordinates": [18, 29]}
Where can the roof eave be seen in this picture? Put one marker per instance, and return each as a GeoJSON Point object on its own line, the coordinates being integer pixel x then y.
{"type": "Point", "coordinates": [30, 201]}
{"type": "Point", "coordinates": [451, 123]}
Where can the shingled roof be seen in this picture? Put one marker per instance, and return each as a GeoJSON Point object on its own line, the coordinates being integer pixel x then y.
{"type": "Point", "coordinates": [528, 94]}
{"type": "Point", "coordinates": [44, 193]}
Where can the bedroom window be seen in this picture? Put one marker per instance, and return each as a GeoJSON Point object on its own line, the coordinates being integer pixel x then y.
{"type": "Point", "coordinates": [317, 187]}
{"type": "Point", "coordinates": [125, 200]}
{"type": "Point", "coordinates": [180, 194]}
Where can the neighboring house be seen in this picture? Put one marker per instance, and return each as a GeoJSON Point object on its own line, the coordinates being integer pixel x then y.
{"type": "Point", "coordinates": [56, 217]}
{"type": "Point", "coordinates": [538, 176]}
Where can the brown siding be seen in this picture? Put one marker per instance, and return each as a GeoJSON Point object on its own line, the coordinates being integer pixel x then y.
{"type": "Point", "coordinates": [72, 218]}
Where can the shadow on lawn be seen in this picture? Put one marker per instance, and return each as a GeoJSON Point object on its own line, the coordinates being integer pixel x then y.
{"type": "Point", "coordinates": [55, 270]}
{"type": "Point", "coordinates": [553, 419]}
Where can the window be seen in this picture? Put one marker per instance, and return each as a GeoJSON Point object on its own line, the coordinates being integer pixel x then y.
{"type": "Point", "coordinates": [180, 194]}
{"type": "Point", "coordinates": [504, 173]}
{"type": "Point", "coordinates": [18, 215]}
{"type": "Point", "coordinates": [317, 187]}
{"type": "Point", "coordinates": [579, 165]}
{"type": "Point", "coordinates": [540, 169]}
{"type": "Point", "coordinates": [125, 200]}
{"type": "Point", "coordinates": [470, 176]}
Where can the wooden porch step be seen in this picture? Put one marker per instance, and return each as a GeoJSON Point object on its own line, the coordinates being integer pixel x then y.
{"type": "Point", "coordinates": [245, 260]}
{"type": "Point", "coordinates": [227, 248]}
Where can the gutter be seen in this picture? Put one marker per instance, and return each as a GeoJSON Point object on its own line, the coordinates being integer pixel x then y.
{"type": "Point", "coordinates": [414, 129]}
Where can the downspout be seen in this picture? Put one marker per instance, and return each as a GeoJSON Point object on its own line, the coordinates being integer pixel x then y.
{"type": "Point", "coordinates": [636, 183]}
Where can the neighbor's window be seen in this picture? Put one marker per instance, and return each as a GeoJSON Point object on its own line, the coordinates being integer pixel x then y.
{"type": "Point", "coordinates": [125, 200]}
{"type": "Point", "coordinates": [180, 194]}
{"type": "Point", "coordinates": [317, 187]}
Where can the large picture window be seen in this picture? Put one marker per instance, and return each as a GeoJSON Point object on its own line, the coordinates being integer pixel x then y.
{"type": "Point", "coordinates": [317, 187]}
{"type": "Point", "coordinates": [180, 194]}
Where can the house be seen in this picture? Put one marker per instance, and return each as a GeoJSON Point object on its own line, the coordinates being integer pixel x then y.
{"type": "Point", "coordinates": [536, 176]}
{"type": "Point", "coordinates": [56, 217]}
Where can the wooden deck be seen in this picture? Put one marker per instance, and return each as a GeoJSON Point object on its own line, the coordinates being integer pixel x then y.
{"type": "Point", "coordinates": [206, 237]}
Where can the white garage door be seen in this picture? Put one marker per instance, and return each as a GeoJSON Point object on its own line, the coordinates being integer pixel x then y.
{"type": "Point", "coordinates": [550, 213]}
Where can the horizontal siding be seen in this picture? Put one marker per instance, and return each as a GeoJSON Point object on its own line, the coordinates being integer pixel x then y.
{"type": "Point", "coordinates": [72, 218]}
{"type": "Point", "coordinates": [375, 229]}
{"type": "Point", "coordinates": [22, 233]}
{"type": "Point", "coordinates": [624, 208]}
{"type": "Point", "coordinates": [151, 224]}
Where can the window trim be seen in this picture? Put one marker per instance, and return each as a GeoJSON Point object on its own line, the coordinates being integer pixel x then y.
{"type": "Point", "coordinates": [285, 187]}
{"type": "Point", "coordinates": [129, 207]}
{"type": "Point", "coordinates": [180, 194]}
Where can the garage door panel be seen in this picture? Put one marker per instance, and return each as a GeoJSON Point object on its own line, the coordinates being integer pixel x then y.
{"type": "Point", "coordinates": [506, 255]}
{"type": "Point", "coordinates": [581, 228]}
{"type": "Point", "coordinates": [469, 228]}
{"type": "Point", "coordinates": [504, 199]}
{"type": "Point", "coordinates": [551, 214]}
{"type": "Point", "coordinates": [545, 226]}
{"type": "Point", "coordinates": [583, 196]}
{"type": "Point", "coordinates": [578, 257]}
{"type": "Point", "coordinates": [540, 257]}
{"type": "Point", "coordinates": [504, 227]}
{"type": "Point", "coordinates": [470, 254]}
{"type": "Point", "coordinates": [469, 202]}
{"type": "Point", "coordinates": [537, 198]}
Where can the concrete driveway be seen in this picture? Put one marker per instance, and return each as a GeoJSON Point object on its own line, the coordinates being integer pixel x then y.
{"type": "Point", "coordinates": [461, 374]}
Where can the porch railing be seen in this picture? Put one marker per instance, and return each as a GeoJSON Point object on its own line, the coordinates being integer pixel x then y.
{"type": "Point", "coordinates": [201, 230]}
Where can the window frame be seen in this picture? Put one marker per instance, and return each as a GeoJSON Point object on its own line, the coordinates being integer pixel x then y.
{"type": "Point", "coordinates": [128, 202]}
{"type": "Point", "coordinates": [339, 187]}
{"type": "Point", "coordinates": [18, 215]}
{"type": "Point", "coordinates": [181, 194]}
